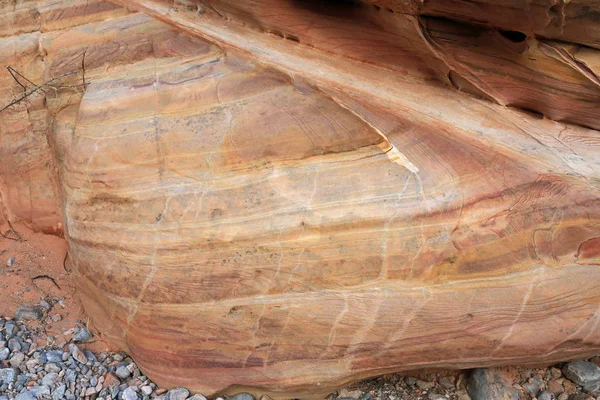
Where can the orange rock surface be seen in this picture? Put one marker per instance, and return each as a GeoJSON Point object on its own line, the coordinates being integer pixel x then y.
{"type": "Point", "coordinates": [286, 196]}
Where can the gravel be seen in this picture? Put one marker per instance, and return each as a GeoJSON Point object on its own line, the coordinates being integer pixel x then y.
{"type": "Point", "coordinates": [70, 372]}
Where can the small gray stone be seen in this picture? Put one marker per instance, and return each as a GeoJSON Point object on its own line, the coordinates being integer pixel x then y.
{"type": "Point", "coordinates": [50, 379]}
{"type": "Point", "coordinates": [410, 381]}
{"type": "Point", "coordinates": [123, 372]}
{"type": "Point", "coordinates": [4, 353]}
{"type": "Point", "coordinates": [14, 345]}
{"type": "Point", "coordinates": [556, 373]}
{"type": "Point", "coordinates": [78, 354]}
{"type": "Point", "coordinates": [178, 394]}
{"type": "Point", "coordinates": [201, 397]}
{"type": "Point", "coordinates": [147, 390]}
{"type": "Point", "coordinates": [54, 356]}
{"type": "Point", "coordinates": [10, 328]}
{"type": "Point", "coordinates": [51, 367]}
{"type": "Point", "coordinates": [447, 382]}
{"type": "Point", "coordinates": [582, 372]}
{"type": "Point", "coordinates": [592, 387]}
{"type": "Point", "coordinates": [491, 384]}
{"type": "Point", "coordinates": [29, 313]}
{"type": "Point", "coordinates": [71, 375]}
{"type": "Point", "coordinates": [81, 335]}
{"type": "Point", "coordinates": [25, 396]}
{"type": "Point", "coordinates": [545, 395]}
{"type": "Point", "coordinates": [17, 359]}
{"type": "Point", "coordinates": [45, 305]}
{"type": "Point", "coordinates": [129, 394]}
{"type": "Point", "coordinates": [39, 391]}
{"type": "Point", "coordinates": [425, 385]}
{"type": "Point", "coordinates": [90, 356]}
{"type": "Point", "coordinates": [435, 396]}
{"type": "Point", "coordinates": [59, 392]}
{"type": "Point", "coordinates": [8, 375]}
{"type": "Point", "coordinates": [242, 396]}
{"type": "Point", "coordinates": [531, 388]}
{"type": "Point", "coordinates": [10, 262]}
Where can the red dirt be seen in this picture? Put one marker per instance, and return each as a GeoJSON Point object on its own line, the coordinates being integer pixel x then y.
{"type": "Point", "coordinates": [39, 272]}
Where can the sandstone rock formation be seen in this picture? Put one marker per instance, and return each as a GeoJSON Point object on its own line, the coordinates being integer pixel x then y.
{"type": "Point", "coordinates": [288, 195]}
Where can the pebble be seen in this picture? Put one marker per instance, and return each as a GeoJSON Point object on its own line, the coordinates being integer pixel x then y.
{"type": "Point", "coordinates": [59, 392]}
{"type": "Point", "coordinates": [45, 305]}
{"type": "Point", "coordinates": [17, 359]}
{"type": "Point", "coordinates": [491, 384]}
{"type": "Point", "coordinates": [434, 396]}
{"type": "Point", "coordinates": [201, 397]}
{"type": "Point", "coordinates": [129, 394]}
{"type": "Point", "coordinates": [582, 373]}
{"type": "Point", "coordinates": [556, 373]}
{"type": "Point", "coordinates": [555, 387]}
{"type": "Point", "coordinates": [4, 353]}
{"type": "Point", "coordinates": [447, 383]}
{"type": "Point", "coordinates": [242, 396]}
{"type": "Point", "coordinates": [10, 329]}
{"type": "Point", "coordinates": [178, 394]}
{"type": "Point", "coordinates": [50, 379]}
{"type": "Point", "coordinates": [425, 385]}
{"type": "Point", "coordinates": [25, 396]}
{"type": "Point", "coordinates": [10, 262]}
{"type": "Point", "coordinates": [71, 375]}
{"type": "Point", "coordinates": [545, 396]}
{"type": "Point", "coordinates": [29, 313]}
{"type": "Point", "coordinates": [592, 387]}
{"type": "Point", "coordinates": [349, 394]}
{"type": "Point", "coordinates": [111, 380]}
{"type": "Point", "coordinates": [81, 335]}
{"type": "Point", "coordinates": [123, 372]}
{"type": "Point", "coordinates": [14, 345]}
{"type": "Point", "coordinates": [531, 388]}
{"type": "Point", "coordinates": [147, 390]}
{"type": "Point", "coordinates": [78, 354]}
{"type": "Point", "coordinates": [8, 375]}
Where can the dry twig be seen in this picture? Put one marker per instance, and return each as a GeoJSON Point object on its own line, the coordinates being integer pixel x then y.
{"type": "Point", "coordinates": [37, 88]}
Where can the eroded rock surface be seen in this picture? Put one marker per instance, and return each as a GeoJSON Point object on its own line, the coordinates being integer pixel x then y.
{"type": "Point", "coordinates": [261, 195]}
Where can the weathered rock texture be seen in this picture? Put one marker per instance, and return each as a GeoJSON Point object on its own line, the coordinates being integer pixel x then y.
{"type": "Point", "coordinates": [288, 196]}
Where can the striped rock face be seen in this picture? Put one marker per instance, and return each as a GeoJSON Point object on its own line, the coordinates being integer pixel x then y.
{"type": "Point", "coordinates": [287, 216]}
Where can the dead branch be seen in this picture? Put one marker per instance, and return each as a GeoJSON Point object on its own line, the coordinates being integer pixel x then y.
{"type": "Point", "coordinates": [40, 87]}
{"type": "Point", "coordinates": [46, 277]}
{"type": "Point", "coordinates": [65, 261]}
{"type": "Point", "coordinates": [8, 237]}
{"type": "Point", "coordinates": [14, 231]}
{"type": "Point", "coordinates": [13, 72]}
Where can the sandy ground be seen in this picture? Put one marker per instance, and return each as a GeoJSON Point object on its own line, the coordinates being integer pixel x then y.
{"type": "Point", "coordinates": [39, 272]}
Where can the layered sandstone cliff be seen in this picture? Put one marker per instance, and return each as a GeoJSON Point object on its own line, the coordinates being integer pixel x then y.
{"type": "Point", "coordinates": [298, 192]}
